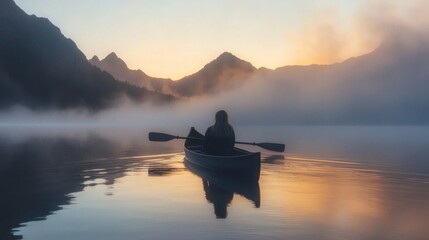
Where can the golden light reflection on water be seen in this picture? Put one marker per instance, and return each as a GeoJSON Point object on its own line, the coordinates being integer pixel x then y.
{"type": "Point", "coordinates": [332, 198]}
{"type": "Point", "coordinates": [342, 197]}
{"type": "Point", "coordinates": [334, 193]}
{"type": "Point", "coordinates": [95, 188]}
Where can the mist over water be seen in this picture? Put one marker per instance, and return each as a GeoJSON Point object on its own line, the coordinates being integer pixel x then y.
{"type": "Point", "coordinates": [386, 86]}
{"type": "Point", "coordinates": [356, 164]}
{"type": "Point", "coordinates": [114, 182]}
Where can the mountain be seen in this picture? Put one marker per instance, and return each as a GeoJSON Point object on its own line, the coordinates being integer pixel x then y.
{"type": "Point", "coordinates": [119, 70]}
{"type": "Point", "coordinates": [224, 73]}
{"type": "Point", "coordinates": [40, 68]}
{"type": "Point", "coordinates": [389, 85]}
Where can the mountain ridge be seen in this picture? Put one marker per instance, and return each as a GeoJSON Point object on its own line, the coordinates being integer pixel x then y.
{"type": "Point", "coordinates": [41, 68]}
{"type": "Point", "coordinates": [224, 72]}
{"type": "Point", "coordinates": [120, 71]}
{"type": "Point", "coordinates": [386, 86]}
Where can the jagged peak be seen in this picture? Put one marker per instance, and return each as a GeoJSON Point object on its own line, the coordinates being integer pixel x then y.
{"type": "Point", "coordinates": [111, 55]}
{"type": "Point", "coordinates": [227, 56]}
{"type": "Point", "coordinates": [230, 59]}
{"type": "Point", "coordinates": [113, 59]}
{"type": "Point", "coordinates": [95, 59]}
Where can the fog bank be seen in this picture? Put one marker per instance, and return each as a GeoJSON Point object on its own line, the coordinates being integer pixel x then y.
{"type": "Point", "coordinates": [387, 86]}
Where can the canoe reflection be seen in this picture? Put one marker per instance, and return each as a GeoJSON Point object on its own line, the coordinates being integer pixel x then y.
{"type": "Point", "coordinates": [219, 188]}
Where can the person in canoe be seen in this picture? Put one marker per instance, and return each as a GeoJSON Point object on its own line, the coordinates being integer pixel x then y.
{"type": "Point", "coordinates": [219, 138]}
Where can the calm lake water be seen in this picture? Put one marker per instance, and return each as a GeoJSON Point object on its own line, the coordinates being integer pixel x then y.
{"type": "Point", "coordinates": [332, 183]}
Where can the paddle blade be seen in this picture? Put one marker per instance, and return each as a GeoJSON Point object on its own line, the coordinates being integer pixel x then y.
{"type": "Point", "coordinates": [160, 137]}
{"type": "Point", "coordinates": [275, 147]}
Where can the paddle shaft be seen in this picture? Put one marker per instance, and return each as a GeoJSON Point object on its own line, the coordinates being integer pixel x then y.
{"type": "Point", "coordinates": [194, 138]}
{"type": "Point", "coordinates": [247, 143]}
{"type": "Point", "coordinates": [163, 137]}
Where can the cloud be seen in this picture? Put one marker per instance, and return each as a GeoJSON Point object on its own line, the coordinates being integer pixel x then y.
{"type": "Point", "coordinates": [320, 40]}
{"type": "Point", "coordinates": [391, 20]}
{"type": "Point", "coordinates": [330, 36]}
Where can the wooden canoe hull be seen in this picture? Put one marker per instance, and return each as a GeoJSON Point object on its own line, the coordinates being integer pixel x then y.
{"type": "Point", "coordinates": [241, 162]}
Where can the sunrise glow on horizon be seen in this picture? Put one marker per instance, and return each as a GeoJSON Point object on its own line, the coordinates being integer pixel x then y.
{"type": "Point", "coordinates": [173, 39]}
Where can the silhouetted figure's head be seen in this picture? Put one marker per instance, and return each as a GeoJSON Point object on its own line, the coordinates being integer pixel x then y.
{"type": "Point", "coordinates": [219, 138]}
{"type": "Point", "coordinates": [221, 127]}
{"type": "Point", "coordinates": [221, 117]}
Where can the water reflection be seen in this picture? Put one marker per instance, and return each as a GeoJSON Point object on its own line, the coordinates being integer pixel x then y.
{"type": "Point", "coordinates": [219, 188]}
{"type": "Point", "coordinates": [97, 187]}
{"type": "Point", "coordinates": [273, 159]}
{"type": "Point", "coordinates": [220, 198]}
{"type": "Point", "coordinates": [39, 175]}
{"type": "Point", "coordinates": [161, 171]}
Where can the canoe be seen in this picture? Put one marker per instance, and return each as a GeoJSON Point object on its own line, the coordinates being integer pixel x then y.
{"type": "Point", "coordinates": [239, 163]}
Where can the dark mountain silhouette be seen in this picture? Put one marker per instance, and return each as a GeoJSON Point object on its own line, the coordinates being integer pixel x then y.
{"type": "Point", "coordinates": [386, 86]}
{"type": "Point", "coordinates": [40, 68]}
{"type": "Point", "coordinates": [224, 73]}
{"type": "Point", "coordinates": [119, 70]}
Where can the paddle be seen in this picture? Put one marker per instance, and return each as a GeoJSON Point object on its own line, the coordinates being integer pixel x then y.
{"type": "Point", "coordinates": [275, 147]}
{"type": "Point", "coordinates": [164, 137]}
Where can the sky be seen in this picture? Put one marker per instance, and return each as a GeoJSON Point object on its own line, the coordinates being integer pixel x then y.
{"type": "Point", "coordinates": [173, 39]}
